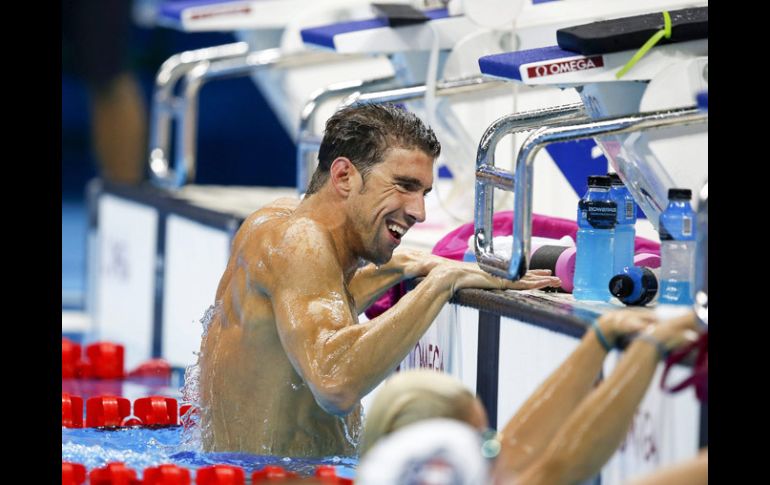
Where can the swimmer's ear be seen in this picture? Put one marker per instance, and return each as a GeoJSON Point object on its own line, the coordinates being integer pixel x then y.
{"type": "Point", "coordinates": [344, 176]}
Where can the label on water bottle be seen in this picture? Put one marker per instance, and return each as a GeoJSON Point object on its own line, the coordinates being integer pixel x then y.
{"type": "Point", "coordinates": [686, 226]}
{"type": "Point", "coordinates": [629, 209]}
{"type": "Point", "coordinates": [599, 213]}
{"type": "Point", "coordinates": [665, 235]}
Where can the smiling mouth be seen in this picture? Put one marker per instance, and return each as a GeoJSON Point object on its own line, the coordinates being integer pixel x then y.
{"type": "Point", "coordinates": [396, 231]}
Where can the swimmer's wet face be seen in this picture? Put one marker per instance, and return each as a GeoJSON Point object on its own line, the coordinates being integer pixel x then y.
{"type": "Point", "coordinates": [390, 201]}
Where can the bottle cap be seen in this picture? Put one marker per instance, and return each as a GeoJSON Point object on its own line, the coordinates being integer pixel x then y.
{"type": "Point", "coordinates": [621, 286]}
{"type": "Point", "coordinates": [631, 291]}
{"type": "Point", "coordinates": [615, 179]}
{"type": "Point", "coordinates": [598, 181]}
{"type": "Point", "coordinates": [679, 194]}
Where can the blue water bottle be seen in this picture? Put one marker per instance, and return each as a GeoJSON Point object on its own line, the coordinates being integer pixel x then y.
{"type": "Point", "coordinates": [597, 215]}
{"type": "Point", "coordinates": [677, 249]}
{"type": "Point", "coordinates": [625, 227]}
{"type": "Point", "coordinates": [635, 285]}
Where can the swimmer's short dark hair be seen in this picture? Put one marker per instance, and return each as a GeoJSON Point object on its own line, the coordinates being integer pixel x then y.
{"type": "Point", "coordinates": [364, 133]}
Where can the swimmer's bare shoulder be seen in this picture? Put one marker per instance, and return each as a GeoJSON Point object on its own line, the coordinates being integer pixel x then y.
{"type": "Point", "coordinates": [276, 243]}
{"type": "Point", "coordinates": [301, 247]}
{"type": "Point", "coordinates": [263, 221]}
{"type": "Point", "coordinates": [249, 241]}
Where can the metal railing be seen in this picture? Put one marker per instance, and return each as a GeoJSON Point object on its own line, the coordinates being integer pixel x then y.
{"type": "Point", "coordinates": [410, 93]}
{"type": "Point", "coordinates": [166, 106]}
{"type": "Point", "coordinates": [521, 180]}
{"type": "Point", "coordinates": [310, 142]}
{"type": "Point", "coordinates": [489, 177]}
{"type": "Point", "coordinates": [196, 68]}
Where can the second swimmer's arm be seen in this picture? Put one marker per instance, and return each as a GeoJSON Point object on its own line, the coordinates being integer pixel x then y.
{"type": "Point", "coordinates": [533, 427]}
{"type": "Point", "coordinates": [594, 430]}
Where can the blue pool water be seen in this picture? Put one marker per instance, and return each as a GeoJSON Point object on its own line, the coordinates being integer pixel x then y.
{"type": "Point", "coordinates": [140, 447]}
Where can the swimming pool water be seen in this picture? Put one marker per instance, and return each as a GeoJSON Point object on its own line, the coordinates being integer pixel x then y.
{"type": "Point", "coordinates": [143, 447]}
{"type": "Point", "coordinates": [140, 448]}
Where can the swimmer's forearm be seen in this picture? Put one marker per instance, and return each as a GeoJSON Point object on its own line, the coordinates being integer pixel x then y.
{"type": "Point", "coordinates": [371, 282]}
{"type": "Point", "coordinates": [596, 428]}
{"type": "Point", "coordinates": [531, 429]}
{"type": "Point", "coordinates": [362, 355]}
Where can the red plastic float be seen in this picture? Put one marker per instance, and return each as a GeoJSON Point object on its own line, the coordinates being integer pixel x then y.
{"type": "Point", "coordinates": [72, 473]}
{"type": "Point", "coordinates": [71, 411]}
{"type": "Point", "coordinates": [70, 355]}
{"type": "Point", "coordinates": [156, 410]}
{"type": "Point", "coordinates": [220, 475]}
{"type": "Point", "coordinates": [328, 474]}
{"type": "Point", "coordinates": [115, 473]}
{"type": "Point", "coordinates": [270, 473]}
{"type": "Point", "coordinates": [166, 474]}
{"type": "Point", "coordinates": [107, 411]}
{"type": "Point", "coordinates": [106, 360]}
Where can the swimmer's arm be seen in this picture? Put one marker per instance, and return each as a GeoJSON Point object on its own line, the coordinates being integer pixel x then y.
{"type": "Point", "coordinates": [340, 359]}
{"type": "Point", "coordinates": [691, 472]}
{"type": "Point", "coordinates": [596, 428]}
{"type": "Point", "coordinates": [533, 427]}
{"type": "Point", "coordinates": [371, 282]}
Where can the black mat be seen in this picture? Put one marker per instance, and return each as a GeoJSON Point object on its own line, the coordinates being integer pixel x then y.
{"type": "Point", "coordinates": [630, 33]}
{"type": "Point", "coordinates": [399, 14]}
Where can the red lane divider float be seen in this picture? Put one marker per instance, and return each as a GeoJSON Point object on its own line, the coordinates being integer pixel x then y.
{"type": "Point", "coordinates": [71, 411]}
{"type": "Point", "coordinates": [105, 360]}
{"type": "Point", "coordinates": [115, 411]}
{"type": "Point", "coordinates": [270, 473]}
{"type": "Point", "coordinates": [159, 368]}
{"type": "Point", "coordinates": [220, 475]}
{"type": "Point", "coordinates": [108, 411]}
{"type": "Point", "coordinates": [328, 474]}
{"type": "Point", "coordinates": [115, 473]}
{"type": "Point", "coordinates": [70, 354]}
{"type": "Point", "coordinates": [156, 411]}
{"type": "Point", "coordinates": [72, 473]}
{"type": "Point", "coordinates": [166, 475]}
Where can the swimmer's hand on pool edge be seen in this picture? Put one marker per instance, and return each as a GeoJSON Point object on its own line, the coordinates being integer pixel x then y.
{"type": "Point", "coordinates": [417, 263]}
{"type": "Point", "coordinates": [469, 275]}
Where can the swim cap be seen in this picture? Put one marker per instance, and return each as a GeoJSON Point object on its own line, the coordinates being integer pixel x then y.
{"type": "Point", "coordinates": [436, 451]}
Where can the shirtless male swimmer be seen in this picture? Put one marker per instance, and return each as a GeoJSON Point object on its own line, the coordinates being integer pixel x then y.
{"type": "Point", "coordinates": [285, 362]}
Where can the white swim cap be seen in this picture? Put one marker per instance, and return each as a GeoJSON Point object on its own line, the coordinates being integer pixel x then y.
{"type": "Point", "coordinates": [432, 452]}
